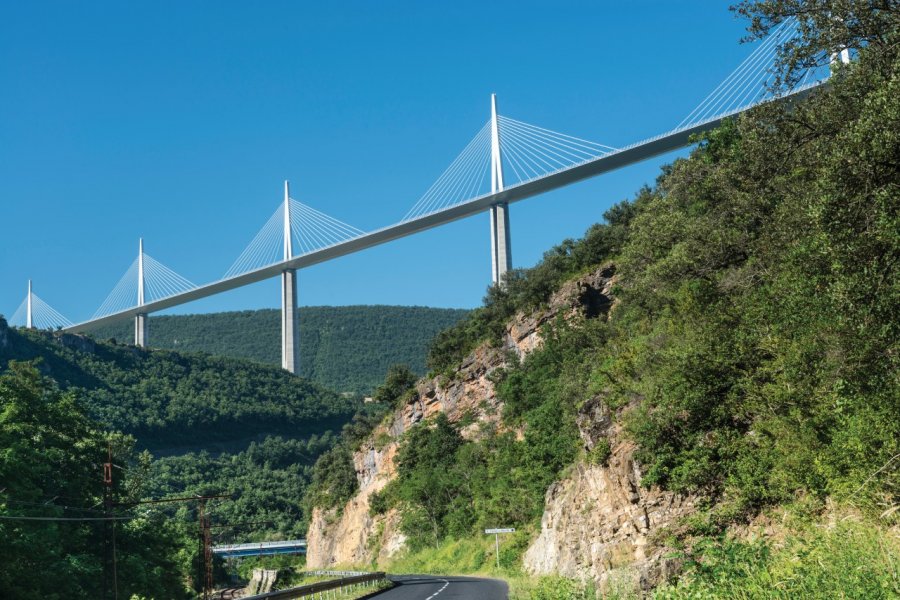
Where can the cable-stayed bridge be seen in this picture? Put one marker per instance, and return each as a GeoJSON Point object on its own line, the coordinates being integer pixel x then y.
{"type": "Point", "coordinates": [506, 161]}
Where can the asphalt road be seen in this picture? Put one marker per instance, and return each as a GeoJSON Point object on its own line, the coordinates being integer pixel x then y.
{"type": "Point", "coordinates": [438, 587]}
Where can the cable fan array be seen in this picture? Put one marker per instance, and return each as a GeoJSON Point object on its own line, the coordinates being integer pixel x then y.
{"type": "Point", "coordinates": [467, 177]}
{"type": "Point", "coordinates": [528, 152]}
{"type": "Point", "coordinates": [311, 230]}
{"type": "Point", "coordinates": [751, 82]}
{"type": "Point", "coordinates": [159, 282]}
{"type": "Point", "coordinates": [43, 316]}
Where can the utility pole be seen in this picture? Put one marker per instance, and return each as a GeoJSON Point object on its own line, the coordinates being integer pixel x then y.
{"type": "Point", "coordinates": [205, 547]}
{"type": "Point", "coordinates": [111, 562]}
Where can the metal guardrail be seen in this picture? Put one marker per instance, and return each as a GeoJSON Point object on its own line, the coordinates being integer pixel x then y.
{"type": "Point", "coordinates": [321, 586]}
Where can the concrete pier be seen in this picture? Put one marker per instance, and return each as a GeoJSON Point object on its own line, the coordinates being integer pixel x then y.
{"type": "Point", "coordinates": [290, 323]}
{"type": "Point", "coordinates": [140, 330]}
{"type": "Point", "coordinates": [501, 248]}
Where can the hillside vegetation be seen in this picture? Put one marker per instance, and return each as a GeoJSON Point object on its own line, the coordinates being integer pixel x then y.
{"type": "Point", "coordinates": [169, 400]}
{"type": "Point", "coordinates": [72, 398]}
{"type": "Point", "coordinates": [344, 348]}
{"type": "Point", "coordinates": [752, 356]}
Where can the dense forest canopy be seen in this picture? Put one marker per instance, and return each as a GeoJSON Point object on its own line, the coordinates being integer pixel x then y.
{"type": "Point", "coordinates": [344, 348]}
{"type": "Point", "coordinates": [169, 400]}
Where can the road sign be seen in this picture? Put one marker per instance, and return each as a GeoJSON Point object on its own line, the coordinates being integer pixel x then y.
{"type": "Point", "coordinates": [496, 533]}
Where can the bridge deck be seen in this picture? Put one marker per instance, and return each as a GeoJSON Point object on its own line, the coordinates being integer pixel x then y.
{"type": "Point", "coordinates": [629, 155]}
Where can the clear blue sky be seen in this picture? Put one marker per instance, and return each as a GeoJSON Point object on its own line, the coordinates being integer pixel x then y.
{"type": "Point", "coordinates": [178, 121]}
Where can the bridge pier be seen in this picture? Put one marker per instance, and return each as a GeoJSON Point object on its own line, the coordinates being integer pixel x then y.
{"type": "Point", "coordinates": [140, 330]}
{"type": "Point", "coordinates": [290, 323]}
{"type": "Point", "coordinates": [140, 320]}
{"type": "Point", "coordinates": [29, 320]}
{"type": "Point", "coordinates": [501, 255]}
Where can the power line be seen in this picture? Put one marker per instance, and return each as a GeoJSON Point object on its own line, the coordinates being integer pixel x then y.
{"type": "Point", "coordinates": [12, 518]}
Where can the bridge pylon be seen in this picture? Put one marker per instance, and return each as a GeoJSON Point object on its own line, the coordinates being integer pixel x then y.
{"type": "Point", "coordinates": [290, 322]}
{"type": "Point", "coordinates": [141, 325]}
{"type": "Point", "coordinates": [29, 320]}
{"type": "Point", "coordinates": [501, 247]}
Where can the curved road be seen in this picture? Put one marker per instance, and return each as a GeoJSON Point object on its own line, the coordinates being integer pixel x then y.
{"type": "Point", "coordinates": [439, 587]}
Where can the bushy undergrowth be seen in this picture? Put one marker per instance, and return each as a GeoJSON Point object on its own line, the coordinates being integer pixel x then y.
{"type": "Point", "coordinates": [847, 559]}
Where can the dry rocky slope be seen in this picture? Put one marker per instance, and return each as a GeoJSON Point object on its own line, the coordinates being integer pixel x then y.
{"type": "Point", "coordinates": [598, 522]}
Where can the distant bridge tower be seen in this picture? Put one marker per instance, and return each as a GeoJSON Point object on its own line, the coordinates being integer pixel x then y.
{"type": "Point", "coordinates": [290, 327]}
{"type": "Point", "coordinates": [842, 55]}
{"type": "Point", "coordinates": [501, 248]}
{"type": "Point", "coordinates": [29, 321]}
{"type": "Point", "coordinates": [140, 319]}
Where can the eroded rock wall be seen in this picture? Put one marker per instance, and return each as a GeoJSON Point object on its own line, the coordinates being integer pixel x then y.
{"type": "Point", "coordinates": [599, 524]}
{"type": "Point", "coordinates": [353, 536]}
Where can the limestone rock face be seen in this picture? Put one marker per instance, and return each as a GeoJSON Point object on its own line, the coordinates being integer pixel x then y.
{"type": "Point", "coordinates": [356, 537]}
{"type": "Point", "coordinates": [76, 342]}
{"type": "Point", "coordinates": [598, 524]}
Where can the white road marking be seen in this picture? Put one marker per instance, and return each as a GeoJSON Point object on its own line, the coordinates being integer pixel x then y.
{"type": "Point", "coordinates": [446, 583]}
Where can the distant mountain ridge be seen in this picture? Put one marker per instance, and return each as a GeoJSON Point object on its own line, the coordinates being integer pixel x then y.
{"type": "Point", "coordinates": [345, 348]}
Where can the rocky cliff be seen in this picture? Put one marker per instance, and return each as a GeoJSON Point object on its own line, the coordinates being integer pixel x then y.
{"type": "Point", "coordinates": [598, 522]}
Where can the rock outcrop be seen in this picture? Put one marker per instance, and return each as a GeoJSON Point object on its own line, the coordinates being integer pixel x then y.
{"type": "Point", "coordinates": [596, 520]}
{"type": "Point", "coordinates": [599, 524]}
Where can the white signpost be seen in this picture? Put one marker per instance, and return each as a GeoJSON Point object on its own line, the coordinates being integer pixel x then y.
{"type": "Point", "coordinates": [497, 533]}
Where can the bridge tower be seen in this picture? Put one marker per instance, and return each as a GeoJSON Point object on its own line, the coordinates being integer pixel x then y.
{"type": "Point", "coordinates": [290, 323]}
{"type": "Point", "coordinates": [140, 319]}
{"type": "Point", "coordinates": [843, 56]}
{"type": "Point", "coordinates": [29, 322]}
{"type": "Point", "coordinates": [501, 248]}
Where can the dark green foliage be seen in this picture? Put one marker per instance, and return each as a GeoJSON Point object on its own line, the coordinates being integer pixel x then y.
{"type": "Point", "coordinates": [527, 289]}
{"type": "Point", "coordinates": [174, 402]}
{"type": "Point", "coordinates": [333, 479]}
{"type": "Point", "coordinates": [762, 302]}
{"type": "Point", "coordinates": [266, 483]}
{"type": "Point", "coordinates": [426, 482]}
{"type": "Point", "coordinates": [50, 467]}
{"type": "Point", "coordinates": [849, 559]}
{"type": "Point", "coordinates": [400, 380]}
{"type": "Point", "coordinates": [827, 25]}
{"type": "Point", "coordinates": [344, 348]}
{"type": "Point", "coordinates": [363, 422]}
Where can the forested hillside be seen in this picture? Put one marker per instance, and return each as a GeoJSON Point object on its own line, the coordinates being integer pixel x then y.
{"type": "Point", "coordinates": [215, 426]}
{"type": "Point", "coordinates": [344, 348]}
{"type": "Point", "coordinates": [750, 359]}
{"type": "Point", "coordinates": [169, 400]}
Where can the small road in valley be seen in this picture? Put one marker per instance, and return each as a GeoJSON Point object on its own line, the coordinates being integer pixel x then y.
{"type": "Point", "coordinates": [440, 587]}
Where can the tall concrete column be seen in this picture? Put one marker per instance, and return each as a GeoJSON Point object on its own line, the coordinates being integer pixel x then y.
{"type": "Point", "coordinates": [501, 260]}
{"type": "Point", "coordinates": [29, 321]}
{"type": "Point", "coordinates": [501, 247]}
{"type": "Point", "coordinates": [140, 320]}
{"type": "Point", "coordinates": [290, 322]}
{"type": "Point", "coordinates": [141, 330]}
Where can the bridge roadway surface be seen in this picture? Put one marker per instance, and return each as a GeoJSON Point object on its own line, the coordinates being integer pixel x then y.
{"type": "Point", "coordinates": [617, 159]}
{"type": "Point", "coordinates": [441, 587]}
